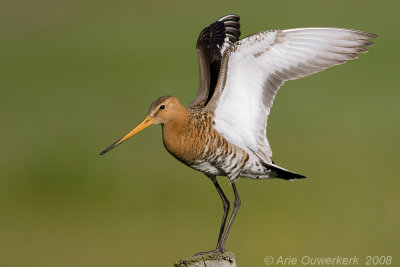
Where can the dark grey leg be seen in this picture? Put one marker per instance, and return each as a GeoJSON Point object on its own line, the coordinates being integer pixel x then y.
{"type": "Point", "coordinates": [226, 206]}
{"type": "Point", "coordinates": [236, 206]}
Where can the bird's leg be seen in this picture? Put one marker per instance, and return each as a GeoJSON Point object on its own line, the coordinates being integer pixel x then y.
{"type": "Point", "coordinates": [236, 206]}
{"type": "Point", "coordinates": [226, 206]}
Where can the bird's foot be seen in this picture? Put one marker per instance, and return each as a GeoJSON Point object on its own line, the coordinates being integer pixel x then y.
{"type": "Point", "coordinates": [217, 250]}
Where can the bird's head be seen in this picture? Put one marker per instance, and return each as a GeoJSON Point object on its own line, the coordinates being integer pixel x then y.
{"type": "Point", "coordinates": [163, 110]}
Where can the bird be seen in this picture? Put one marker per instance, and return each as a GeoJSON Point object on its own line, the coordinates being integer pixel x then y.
{"type": "Point", "coordinates": [223, 132]}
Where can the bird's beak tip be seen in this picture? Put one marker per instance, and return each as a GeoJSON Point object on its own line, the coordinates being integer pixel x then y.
{"type": "Point", "coordinates": [147, 122]}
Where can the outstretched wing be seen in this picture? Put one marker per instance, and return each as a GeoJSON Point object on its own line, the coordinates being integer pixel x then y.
{"type": "Point", "coordinates": [210, 46]}
{"type": "Point", "coordinates": [253, 69]}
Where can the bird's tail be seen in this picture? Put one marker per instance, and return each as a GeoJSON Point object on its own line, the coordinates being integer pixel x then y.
{"type": "Point", "coordinates": [283, 173]}
{"type": "Point", "coordinates": [260, 169]}
{"type": "Point", "coordinates": [275, 171]}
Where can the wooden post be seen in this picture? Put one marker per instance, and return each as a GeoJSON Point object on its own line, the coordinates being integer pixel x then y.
{"type": "Point", "coordinates": [217, 259]}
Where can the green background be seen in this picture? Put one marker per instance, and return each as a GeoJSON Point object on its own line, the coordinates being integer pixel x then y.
{"type": "Point", "coordinates": [77, 75]}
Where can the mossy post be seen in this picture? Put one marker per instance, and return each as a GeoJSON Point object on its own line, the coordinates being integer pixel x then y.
{"type": "Point", "coordinates": [226, 259]}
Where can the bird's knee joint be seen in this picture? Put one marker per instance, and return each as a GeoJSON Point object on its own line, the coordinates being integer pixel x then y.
{"type": "Point", "coordinates": [237, 203]}
{"type": "Point", "coordinates": [226, 204]}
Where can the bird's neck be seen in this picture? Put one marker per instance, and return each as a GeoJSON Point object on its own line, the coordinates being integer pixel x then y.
{"type": "Point", "coordinates": [176, 124]}
{"type": "Point", "coordinates": [174, 133]}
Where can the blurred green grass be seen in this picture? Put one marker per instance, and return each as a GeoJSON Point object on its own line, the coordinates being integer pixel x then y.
{"type": "Point", "coordinates": [76, 75]}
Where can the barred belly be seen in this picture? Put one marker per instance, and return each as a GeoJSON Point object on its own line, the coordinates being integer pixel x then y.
{"type": "Point", "coordinates": [222, 158]}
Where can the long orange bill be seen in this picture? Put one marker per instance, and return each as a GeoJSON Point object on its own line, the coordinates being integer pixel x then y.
{"type": "Point", "coordinates": [144, 124]}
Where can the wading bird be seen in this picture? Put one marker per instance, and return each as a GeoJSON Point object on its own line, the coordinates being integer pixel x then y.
{"type": "Point", "coordinates": [223, 131]}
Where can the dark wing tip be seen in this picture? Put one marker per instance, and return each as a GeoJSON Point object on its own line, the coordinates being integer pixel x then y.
{"type": "Point", "coordinates": [230, 17]}
{"type": "Point", "coordinates": [232, 26]}
{"type": "Point", "coordinates": [213, 36]}
{"type": "Point", "coordinates": [212, 41]}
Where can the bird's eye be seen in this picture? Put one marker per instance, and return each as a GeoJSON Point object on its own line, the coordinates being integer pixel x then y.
{"type": "Point", "coordinates": [162, 106]}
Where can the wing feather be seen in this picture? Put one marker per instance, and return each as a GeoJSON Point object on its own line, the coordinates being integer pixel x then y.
{"type": "Point", "coordinates": [253, 70]}
{"type": "Point", "coordinates": [212, 42]}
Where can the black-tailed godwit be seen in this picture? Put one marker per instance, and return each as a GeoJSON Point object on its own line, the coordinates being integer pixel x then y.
{"type": "Point", "coordinates": [223, 131]}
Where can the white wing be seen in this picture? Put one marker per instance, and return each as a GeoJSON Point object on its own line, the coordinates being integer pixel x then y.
{"type": "Point", "coordinates": [253, 69]}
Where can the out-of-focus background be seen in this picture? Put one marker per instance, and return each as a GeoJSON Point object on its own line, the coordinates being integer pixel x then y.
{"type": "Point", "coordinates": [77, 75]}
